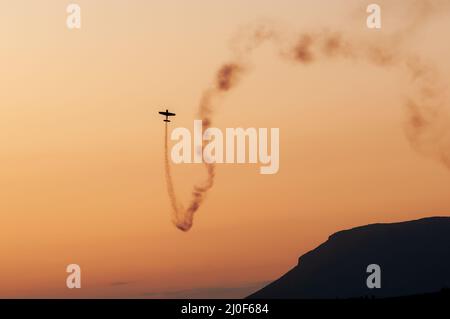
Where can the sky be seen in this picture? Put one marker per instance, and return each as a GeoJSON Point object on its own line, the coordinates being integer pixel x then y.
{"type": "Point", "coordinates": [82, 146]}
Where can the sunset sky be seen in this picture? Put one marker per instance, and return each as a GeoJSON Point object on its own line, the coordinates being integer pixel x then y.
{"type": "Point", "coordinates": [82, 146]}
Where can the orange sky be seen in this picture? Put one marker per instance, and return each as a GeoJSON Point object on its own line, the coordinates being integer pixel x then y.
{"type": "Point", "coordinates": [82, 174]}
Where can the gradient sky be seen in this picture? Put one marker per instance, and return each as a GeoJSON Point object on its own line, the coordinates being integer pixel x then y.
{"type": "Point", "coordinates": [82, 174]}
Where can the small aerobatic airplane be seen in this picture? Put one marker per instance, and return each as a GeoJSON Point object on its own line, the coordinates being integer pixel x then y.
{"type": "Point", "coordinates": [167, 114]}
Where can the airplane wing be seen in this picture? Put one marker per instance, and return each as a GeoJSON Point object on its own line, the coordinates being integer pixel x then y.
{"type": "Point", "coordinates": [167, 113]}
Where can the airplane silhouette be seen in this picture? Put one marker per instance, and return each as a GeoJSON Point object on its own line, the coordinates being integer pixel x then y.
{"type": "Point", "coordinates": [167, 114]}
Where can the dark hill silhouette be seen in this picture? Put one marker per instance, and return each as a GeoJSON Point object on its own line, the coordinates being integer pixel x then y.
{"type": "Point", "coordinates": [414, 257]}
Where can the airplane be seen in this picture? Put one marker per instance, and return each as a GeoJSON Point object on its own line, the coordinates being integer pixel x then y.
{"type": "Point", "coordinates": [167, 114]}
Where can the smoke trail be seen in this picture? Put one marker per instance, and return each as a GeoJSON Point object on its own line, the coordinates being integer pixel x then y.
{"type": "Point", "coordinates": [226, 79]}
{"type": "Point", "coordinates": [426, 127]}
{"type": "Point", "coordinates": [170, 188]}
{"type": "Point", "coordinates": [427, 124]}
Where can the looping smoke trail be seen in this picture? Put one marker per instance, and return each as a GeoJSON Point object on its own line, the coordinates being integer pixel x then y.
{"type": "Point", "coordinates": [183, 218]}
{"type": "Point", "coordinates": [426, 127]}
